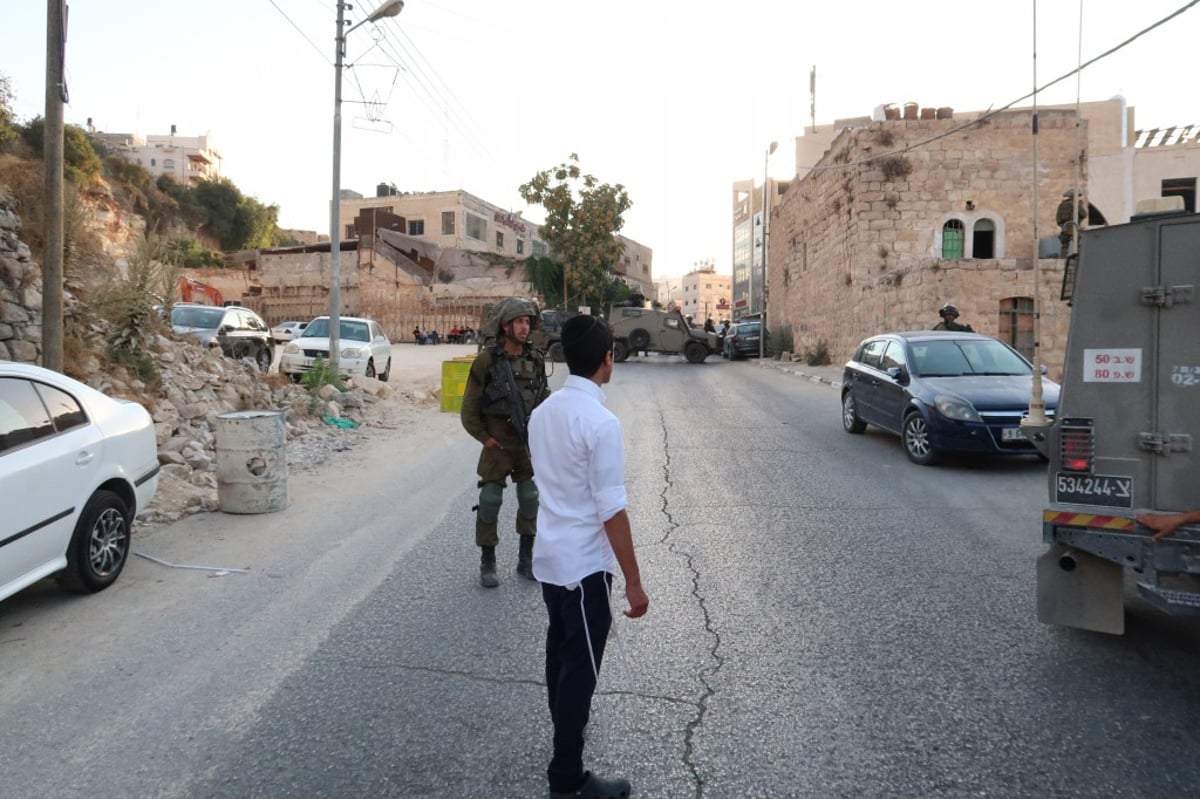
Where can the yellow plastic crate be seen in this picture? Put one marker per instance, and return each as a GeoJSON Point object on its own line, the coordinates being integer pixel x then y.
{"type": "Point", "coordinates": [454, 383]}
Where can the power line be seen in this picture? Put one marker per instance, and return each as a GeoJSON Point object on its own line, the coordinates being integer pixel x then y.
{"type": "Point", "coordinates": [302, 33]}
{"type": "Point", "coordinates": [991, 113]}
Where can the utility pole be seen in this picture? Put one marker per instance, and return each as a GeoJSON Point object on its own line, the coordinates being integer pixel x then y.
{"type": "Point", "coordinates": [52, 153]}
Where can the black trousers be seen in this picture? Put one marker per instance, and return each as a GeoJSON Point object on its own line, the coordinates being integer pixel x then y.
{"type": "Point", "coordinates": [575, 618]}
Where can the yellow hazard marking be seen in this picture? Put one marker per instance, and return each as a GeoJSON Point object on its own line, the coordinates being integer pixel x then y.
{"type": "Point", "coordinates": [1088, 520]}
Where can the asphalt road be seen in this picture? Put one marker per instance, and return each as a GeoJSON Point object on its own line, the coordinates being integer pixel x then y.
{"type": "Point", "coordinates": [826, 620]}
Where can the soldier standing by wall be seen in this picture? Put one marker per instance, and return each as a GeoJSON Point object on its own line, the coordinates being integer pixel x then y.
{"type": "Point", "coordinates": [949, 314]}
{"type": "Point", "coordinates": [507, 381]}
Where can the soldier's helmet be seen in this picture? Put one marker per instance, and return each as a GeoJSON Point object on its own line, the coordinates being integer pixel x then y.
{"type": "Point", "coordinates": [949, 309]}
{"type": "Point", "coordinates": [512, 307]}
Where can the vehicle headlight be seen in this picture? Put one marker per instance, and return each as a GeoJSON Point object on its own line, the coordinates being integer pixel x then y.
{"type": "Point", "coordinates": [352, 352]}
{"type": "Point", "coordinates": [292, 348]}
{"type": "Point", "coordinates": [957, 409]}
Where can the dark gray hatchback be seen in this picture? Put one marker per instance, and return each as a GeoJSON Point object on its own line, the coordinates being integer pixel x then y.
{"type": "Point", "coordinates": [742, 340]}
{"type": "Point", "coordinates": [238, 331]}
{"type": "Point", "coordinates": [942, 391]}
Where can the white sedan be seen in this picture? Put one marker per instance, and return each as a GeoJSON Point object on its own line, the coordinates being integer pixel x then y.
{"type": "Point", "coordinates": [363, 349]}
{"type": "Point", "coordinates": [75, 468]}
{"type": "Point", "coordinates": [286, 331]}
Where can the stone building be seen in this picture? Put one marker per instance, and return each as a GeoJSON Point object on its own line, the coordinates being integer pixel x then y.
{"type": "Point", "coordinates": [877, 236]}
{"type": "Point", "coordinates": [187, 159]}
{"type": "Point", "coordinates": [892, 215]}
{"type": "Point", "coordinates": [459, 220]}
{"type": "Point", "coordinates": [705, 294]}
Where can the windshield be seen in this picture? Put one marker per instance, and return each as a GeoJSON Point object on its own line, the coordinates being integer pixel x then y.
{"type": "Point", "coordinates": [348, 331]}
{"type": "Point", "coordinates": [958, 357]}
{"type": "Point", "coordinates": [202, 316]}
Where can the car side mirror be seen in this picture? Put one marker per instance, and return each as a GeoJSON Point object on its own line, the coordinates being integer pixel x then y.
{"type": "Point", "coordinates": [1045, 369]}
{"type": "Point", "coordinates": [898, 373]}
{"type": "Point", "coordinates": [225, 329]}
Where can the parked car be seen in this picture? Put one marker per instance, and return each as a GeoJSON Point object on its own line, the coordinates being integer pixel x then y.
{"type": "Point", "coordinates": [942, 391]}
{"type": "Point", "coordinates": [364, 349]}
{"type": "Point", "coordinates": [286, 331]}
{"type": "Point", "coordinates": [75, 468]}
{"type": "Point", "coordinates": [238, 331]}
{"type": "Point", "coordinates": [742, 340]}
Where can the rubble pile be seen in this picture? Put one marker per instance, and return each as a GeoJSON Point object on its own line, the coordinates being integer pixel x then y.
{"type": "Point", "coordinates": [198, 384]}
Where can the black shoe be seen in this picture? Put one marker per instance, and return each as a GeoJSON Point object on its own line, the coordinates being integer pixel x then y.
{"type": "Point", "coordinates": [525, 568]}
{"type": "Point", "coordinates": [594, 787]}
{"type": "Point", "coordinates": [487, 575]}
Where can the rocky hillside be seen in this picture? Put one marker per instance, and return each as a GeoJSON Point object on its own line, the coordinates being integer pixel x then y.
{"type": "Point", "coordinates": [189, 387]}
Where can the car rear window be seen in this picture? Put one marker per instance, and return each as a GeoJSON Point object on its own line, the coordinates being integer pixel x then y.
{"type": "Point", "coordinates": [23, 417]}
{"type": "Point", "coordinates": [201, 316]}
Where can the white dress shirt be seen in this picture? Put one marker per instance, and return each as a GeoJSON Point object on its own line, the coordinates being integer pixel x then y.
{"type": "Point", "coordinates": [579, 467]}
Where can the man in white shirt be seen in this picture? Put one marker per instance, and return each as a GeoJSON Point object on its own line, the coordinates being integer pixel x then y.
{"type": "Point", "coordinates": [578, 457]}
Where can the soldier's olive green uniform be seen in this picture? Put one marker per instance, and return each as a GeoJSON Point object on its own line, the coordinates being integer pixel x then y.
{"type": "Point", "coordinates": [486, 412]}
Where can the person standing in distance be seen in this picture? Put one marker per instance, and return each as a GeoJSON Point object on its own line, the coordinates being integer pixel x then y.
{"type": "Point", "coordinates": [506, 382]}
{"type": "Point", "coordinates": [949, 314]}
{"type": "Point", "coordinates": [578, 454]}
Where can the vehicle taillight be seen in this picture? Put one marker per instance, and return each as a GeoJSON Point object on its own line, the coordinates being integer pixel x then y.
{"type": "Point", "coordinates": [1077, 444]}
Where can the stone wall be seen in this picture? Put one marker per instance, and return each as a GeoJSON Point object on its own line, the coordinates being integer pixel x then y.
{"type": "Point", "coordinates": [20, 292]}
{"type": "Point", "coordinates": [855, 248]}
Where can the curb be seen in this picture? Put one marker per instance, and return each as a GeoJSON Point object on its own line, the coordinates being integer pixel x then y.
{"type": "Point", "coordinates": [780, 366]}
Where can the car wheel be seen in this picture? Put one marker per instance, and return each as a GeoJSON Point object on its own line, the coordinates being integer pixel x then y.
{"type": "Point", "coordinates": [387, 370]}
{"type": "Point", "coordinates": [850, 419]}
{"type": "Point", "coordinates": [556, 352]}
{"type": "Point", "coordinates": [265, 356]}
{"type": "Point", "coordinates": [695, 352]}
{"type": "Point", "coordinates": [639, 339]}
{"type": "Point", "coordinates": [620, 351]}
{"type": "Point", "coordinates": [370, 372]}
{"type": "Point", "coordinates": [99, 546]}
{"type": "Point", "coordinates": [916, 439]}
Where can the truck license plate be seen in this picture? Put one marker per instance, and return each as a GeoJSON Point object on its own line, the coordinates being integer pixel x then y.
{"type": "Point", "coordinates": [1012, 434]}
{"type": "Point", "coordinates": [1115, 491]}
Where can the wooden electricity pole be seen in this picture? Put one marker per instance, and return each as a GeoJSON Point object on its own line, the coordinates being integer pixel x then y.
{"type": "Point", "coordinates": [52, 260]}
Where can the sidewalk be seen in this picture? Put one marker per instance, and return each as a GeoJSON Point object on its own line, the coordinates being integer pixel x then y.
{"type": "Point", "coordinates": [828, 375]}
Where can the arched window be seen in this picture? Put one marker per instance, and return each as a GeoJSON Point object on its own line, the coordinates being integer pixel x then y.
{"type": "Point", "coordinates": [983, 239]}
{"type": "Point", "coordinates": [952, 239]}
{"type": "Point", "coordinates": [1016, 324]}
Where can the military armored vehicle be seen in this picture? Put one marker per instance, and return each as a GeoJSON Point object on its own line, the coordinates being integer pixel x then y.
{"type": "Point", "coordinates": [636, 329]}
{"type": "Point", "coordinates": [1124, 438]}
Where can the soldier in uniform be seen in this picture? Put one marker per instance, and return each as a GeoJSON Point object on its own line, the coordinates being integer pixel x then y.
{"type": "Point", "coordinates": [949, 314]}
{"type": "Point", "coordinates": [507, 381]}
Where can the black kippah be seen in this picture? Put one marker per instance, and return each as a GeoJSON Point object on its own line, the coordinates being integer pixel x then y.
{"type": "Point", "coordinates": [585, 340]}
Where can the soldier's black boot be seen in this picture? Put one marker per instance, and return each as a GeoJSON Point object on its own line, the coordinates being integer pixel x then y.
{"type": "Point", "coordinates": [525, 558]}
{"type": "Point", "coordinates": [487, 567]}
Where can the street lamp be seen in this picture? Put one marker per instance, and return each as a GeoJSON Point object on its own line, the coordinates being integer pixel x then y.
{"type": "Point", "coordinates": [762, 318]}
{"type": "Point", "coordinates": [388, 9]}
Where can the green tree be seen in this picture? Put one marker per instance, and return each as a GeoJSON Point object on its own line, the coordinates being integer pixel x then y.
{"type": "Point", "coordinates": [545, 275]}
{"type": "Point", "coordinates": [8, 132]}
{"type": "Point", "coordinates": [583, 216]}
{"type": "Point", "coordinates": [80, 161]}
{"type": "Point", "coordinates": [236, 221]}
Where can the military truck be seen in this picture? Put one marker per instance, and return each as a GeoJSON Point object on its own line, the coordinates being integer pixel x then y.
{"type": "Point", "coordinates": [638, 329]}
{"type": "Point", "coordinates": [1127, 430]}
{"type": "Point", "coordinates": [548, 335]}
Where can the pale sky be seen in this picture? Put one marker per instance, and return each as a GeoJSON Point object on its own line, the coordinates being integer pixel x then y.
{"type": "Point", "coordinates": [673, 100]}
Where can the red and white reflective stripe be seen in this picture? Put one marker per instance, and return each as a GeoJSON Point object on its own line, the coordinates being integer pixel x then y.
{"type": "Point", "coordinates": [1088, 520]}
